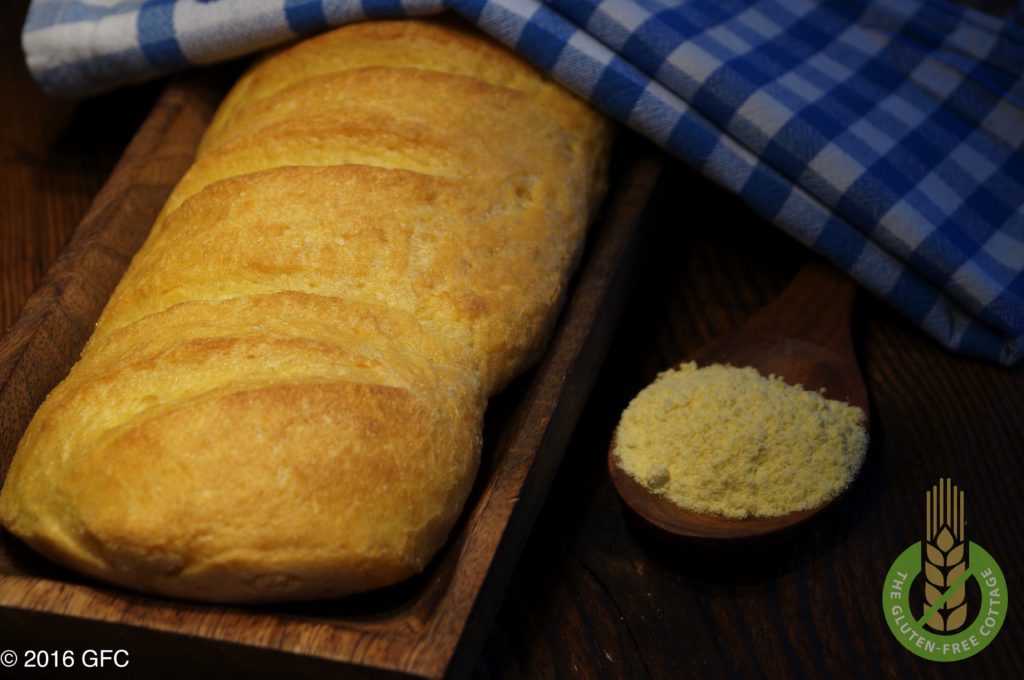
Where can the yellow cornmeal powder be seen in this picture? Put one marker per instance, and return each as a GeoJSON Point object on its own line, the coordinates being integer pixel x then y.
{"type": "Point", "coordinates": [729, 441]}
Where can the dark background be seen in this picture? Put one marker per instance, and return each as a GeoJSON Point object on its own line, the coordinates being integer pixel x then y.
{"type": "Point", "coordinates": [590, 597]}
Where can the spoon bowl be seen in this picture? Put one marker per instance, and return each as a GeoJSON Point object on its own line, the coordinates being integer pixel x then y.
{"type": "Point", "coordinates": [803, 337]}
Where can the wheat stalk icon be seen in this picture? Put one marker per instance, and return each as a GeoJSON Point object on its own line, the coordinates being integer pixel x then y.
{"type": "Point", "coordinates": [944, 556]}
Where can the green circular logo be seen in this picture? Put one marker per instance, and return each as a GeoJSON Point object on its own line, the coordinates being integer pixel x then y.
{"type": "Point", "coordinates": [943, 606]}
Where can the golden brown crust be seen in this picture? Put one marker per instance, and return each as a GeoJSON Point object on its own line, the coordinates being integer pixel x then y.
{"type": "Point", "coordinates": [284, 396]}
{"type": "Point", "coordinates": [358, 486]}
{"type": "Point", "coordinates": [393, 117]}
{"type": "Point", "coordinates": [390, 241]}
{"type": "Point", "coordinates": [429, 45]}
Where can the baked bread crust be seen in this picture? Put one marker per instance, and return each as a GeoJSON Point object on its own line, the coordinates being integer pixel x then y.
{"type": "Point", "coordinates": [283, 398]}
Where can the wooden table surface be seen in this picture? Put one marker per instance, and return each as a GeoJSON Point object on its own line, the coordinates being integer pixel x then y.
{"type": "Point", "coordinates": [590, 597]}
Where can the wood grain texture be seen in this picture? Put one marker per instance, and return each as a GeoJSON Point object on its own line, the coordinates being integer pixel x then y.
{"type": "Point", "coordinates": [59, 316]}
{"type": "Point", "coordinates": [59, 151]}
{"type": "Point", "coordinates": [427, 626]}
{"type": "Point", "coordinates": [590, 598]}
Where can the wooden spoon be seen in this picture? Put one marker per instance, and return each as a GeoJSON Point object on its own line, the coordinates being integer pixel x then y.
{"type": "Point", "coordinates": [802, 336]}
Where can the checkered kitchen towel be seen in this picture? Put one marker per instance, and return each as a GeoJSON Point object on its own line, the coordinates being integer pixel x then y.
{"type": "Point", "coordinates": [885, 134]}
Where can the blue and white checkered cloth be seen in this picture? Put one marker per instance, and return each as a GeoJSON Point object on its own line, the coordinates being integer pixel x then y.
{"type": "Point", "coordinates": [885, 134]}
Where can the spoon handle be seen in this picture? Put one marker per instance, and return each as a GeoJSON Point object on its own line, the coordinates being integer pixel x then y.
{"type": "Point", "coordinates": [815, 307]}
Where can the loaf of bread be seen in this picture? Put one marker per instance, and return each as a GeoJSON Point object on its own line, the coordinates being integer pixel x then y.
{"type": "Point", "coordinates": [283, 398]}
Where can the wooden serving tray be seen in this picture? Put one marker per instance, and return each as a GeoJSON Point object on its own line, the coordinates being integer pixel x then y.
{"type": "Point", "coordinates": [430, 626]}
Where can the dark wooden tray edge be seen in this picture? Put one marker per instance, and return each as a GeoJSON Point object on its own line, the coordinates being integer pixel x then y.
{"type": "Point", "coordinates": [64, 306]}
